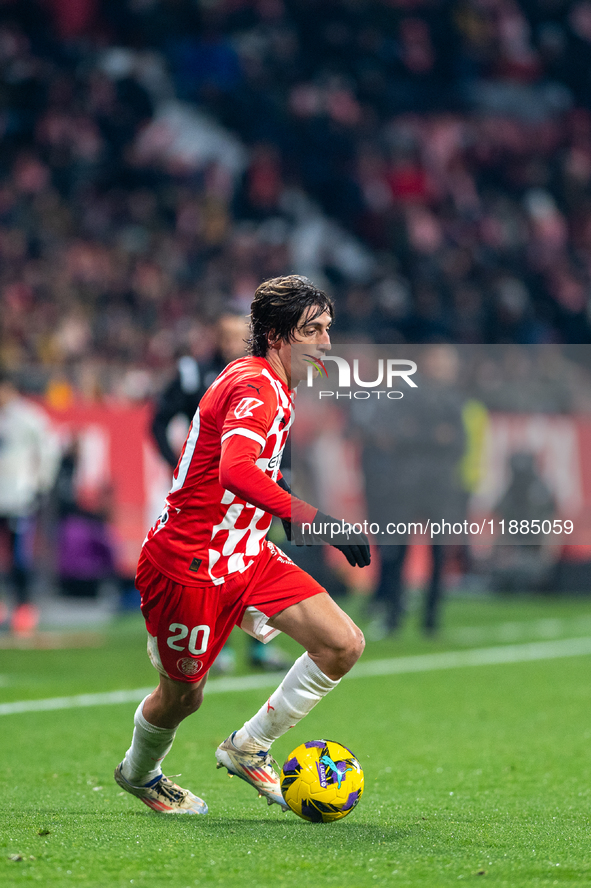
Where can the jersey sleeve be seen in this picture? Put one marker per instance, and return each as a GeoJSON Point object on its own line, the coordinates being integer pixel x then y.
{"type": "Point", "coordinates": [250, 411]}
{"type": "Point", "coordinates": [240, 474]}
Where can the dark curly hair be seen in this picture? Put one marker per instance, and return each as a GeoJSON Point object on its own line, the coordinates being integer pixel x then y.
{"type": "Point", "coordinates": [277, 309]}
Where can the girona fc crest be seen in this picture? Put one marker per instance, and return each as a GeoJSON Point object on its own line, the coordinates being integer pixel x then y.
{"type": "Point", "coordinates": [246, 406]}
{"type": "Point", "coordinates": [188, 666]}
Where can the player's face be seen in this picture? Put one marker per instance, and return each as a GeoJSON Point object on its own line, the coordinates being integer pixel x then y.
{"type": "Point", "coordinates": [311, 340]}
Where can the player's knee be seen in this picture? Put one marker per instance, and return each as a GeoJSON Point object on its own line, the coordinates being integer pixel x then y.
{"type": "Point", "coordinates": [346, 654]}
{"type": "Point", "coordinates": [356, 646]}
{"type": "Point", "coordinates": [360, 641]}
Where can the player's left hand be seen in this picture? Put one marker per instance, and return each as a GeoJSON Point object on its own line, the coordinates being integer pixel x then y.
{"type": "Point", "coordinates": [354, 546]}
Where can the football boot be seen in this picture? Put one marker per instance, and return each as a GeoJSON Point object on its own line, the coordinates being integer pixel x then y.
{"type": "Point", "coordinates": [162, 795]}
{"type": "Point", "coordinates": [257, 768]}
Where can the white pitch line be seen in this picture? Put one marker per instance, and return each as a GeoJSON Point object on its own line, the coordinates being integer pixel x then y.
{"type": "Point", "coordinates": [513, 653]}
{"type": "Point", "coordinates": [490, 656]}
{"type": "Point", "coordinates": [544, 629]}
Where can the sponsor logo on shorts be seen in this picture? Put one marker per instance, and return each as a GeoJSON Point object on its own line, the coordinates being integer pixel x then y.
{"type": "Point", "coordinates": [188, 666]}
{"type": "Point", "coordinates": [279, 554]}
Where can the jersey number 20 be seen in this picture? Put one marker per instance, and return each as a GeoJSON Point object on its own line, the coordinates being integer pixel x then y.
{"type": "Point", "coordinates": [198, 634]}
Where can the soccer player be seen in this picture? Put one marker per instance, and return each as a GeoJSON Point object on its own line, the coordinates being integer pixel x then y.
{"type": "Point", "coordinates": [206, 565]}
{"type": "Point", "coordinates": [181, 398]}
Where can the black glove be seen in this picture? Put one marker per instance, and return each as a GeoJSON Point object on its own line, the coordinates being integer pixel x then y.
{"type": "Point", "coordinates": [354, 546]}
{"type": "Point", "coordinates": [282, 483]}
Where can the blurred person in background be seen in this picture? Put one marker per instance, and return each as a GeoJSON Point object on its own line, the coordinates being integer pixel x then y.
{"type": "Point", "coordinates": [29, 458]}
{"type": "Point", "coordinates": [183, 393]}
{"type": "Point", "coordinates": [411, 461]}
{"type": "Point", "coordinates": [181, 397]}
{"type": "Point", "coordinates": [85, 548]}
{"type": "Point", "coordinates": [529, 564]}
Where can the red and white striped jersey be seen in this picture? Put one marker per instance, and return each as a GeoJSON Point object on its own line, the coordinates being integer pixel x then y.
{"type": "Point", "coordinates": [205, 532]}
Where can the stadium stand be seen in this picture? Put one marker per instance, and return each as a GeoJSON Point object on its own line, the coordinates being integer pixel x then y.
{"type": "Point", "coordinates": [429, 161]}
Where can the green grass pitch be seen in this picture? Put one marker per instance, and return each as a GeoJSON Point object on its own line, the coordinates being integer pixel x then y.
{"type": "Point", "coordinates": [478, 774]}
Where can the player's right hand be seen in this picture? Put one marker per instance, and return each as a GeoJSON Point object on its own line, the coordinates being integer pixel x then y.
{"type": "Point", "coordinates": [354, 546]}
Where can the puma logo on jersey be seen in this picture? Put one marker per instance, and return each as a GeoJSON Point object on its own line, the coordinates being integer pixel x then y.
{"type": "Point", "coordinates": [256, 388]}
{"type": "Point", "coordinates": [246, 406]}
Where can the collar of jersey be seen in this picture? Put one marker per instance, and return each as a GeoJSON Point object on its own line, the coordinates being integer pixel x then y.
{"type": "Point", "coordinates": [276, 376]}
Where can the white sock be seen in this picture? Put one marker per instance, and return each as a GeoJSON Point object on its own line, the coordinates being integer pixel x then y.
{"type": "Point", "coordinates": [299, 692]}
{"type": "Point", "coordinates": [148, 747]}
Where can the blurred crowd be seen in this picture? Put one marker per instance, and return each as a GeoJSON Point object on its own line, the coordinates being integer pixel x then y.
{"type": "Point", "coordinates": [428, 161]}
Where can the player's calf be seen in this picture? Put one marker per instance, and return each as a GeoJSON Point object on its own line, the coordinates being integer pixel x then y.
{"type": "Point", "coordinates": [173, 701]}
